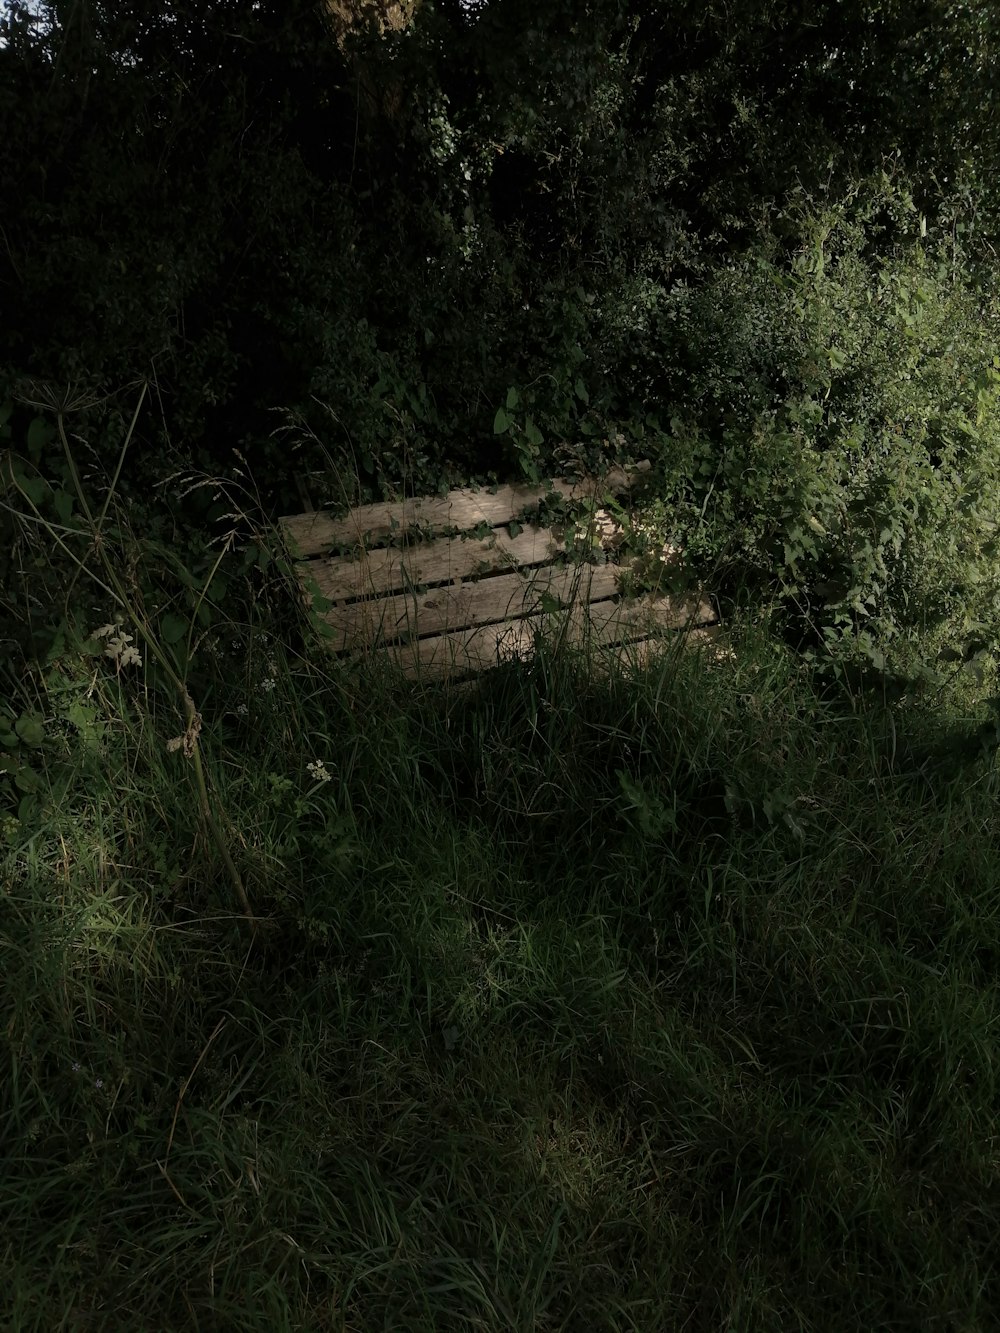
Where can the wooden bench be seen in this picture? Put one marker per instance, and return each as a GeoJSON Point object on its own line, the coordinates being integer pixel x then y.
{"type": "Point", "coordinates": [451, 585]}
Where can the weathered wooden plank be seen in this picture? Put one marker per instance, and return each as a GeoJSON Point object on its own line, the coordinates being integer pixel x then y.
{"type": "Point", "coordinates": [599, 624]}
{"type": "Point", "coordinates": [441, 610]}
{"type": "Point", "coordinates": [312, 534]}
{"type": "Point", "coordinates": [709, 639]}
{"type": "Point", "coordinates": [386, 570]}
{"type": "Point", "coordinates": [639, 653]}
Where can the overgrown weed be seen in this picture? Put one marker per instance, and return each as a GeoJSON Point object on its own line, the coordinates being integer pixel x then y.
{"type": "Point", "coordinates": [657, 998]}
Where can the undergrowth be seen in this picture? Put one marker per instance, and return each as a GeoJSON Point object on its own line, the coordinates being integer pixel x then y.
{"type": "Point", "coordinates": [661, 999]}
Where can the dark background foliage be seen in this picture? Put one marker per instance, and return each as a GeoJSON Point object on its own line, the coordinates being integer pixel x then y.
{"type": "Point", "coordinates": [335, 244]}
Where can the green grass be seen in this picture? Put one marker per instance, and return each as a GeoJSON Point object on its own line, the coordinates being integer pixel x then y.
{"type": "Point", "coordinates": [659, 1001]}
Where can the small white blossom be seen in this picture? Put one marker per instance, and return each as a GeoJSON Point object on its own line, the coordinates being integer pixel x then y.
{"type": "Point", "coordinates": [119, 645]}
{"type": "Point", "coordinates": [319, 771]}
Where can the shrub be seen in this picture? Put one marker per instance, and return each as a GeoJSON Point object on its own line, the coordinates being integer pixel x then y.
{"type": "Point", "coordinates": [838, 431]}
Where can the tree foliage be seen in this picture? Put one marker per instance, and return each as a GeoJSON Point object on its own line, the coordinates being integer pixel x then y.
{"type": "Point", "coordinates": [367, 229]}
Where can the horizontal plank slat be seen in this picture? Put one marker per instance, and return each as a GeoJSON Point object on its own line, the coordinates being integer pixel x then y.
{"type": "Point", "coordinates": [376, 573]}
{"type": "Point", "coordinates": [709, 639]}
{"type": "Point", "coordinates": [312, 534]}
{"type": "Point", "coordinates": [602, 623]}
{"type": "Point", "coordinates": [441, 610]}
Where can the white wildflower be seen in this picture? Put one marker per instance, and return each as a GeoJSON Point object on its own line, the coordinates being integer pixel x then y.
{"type": "Point", "coordinates": [119, 646]}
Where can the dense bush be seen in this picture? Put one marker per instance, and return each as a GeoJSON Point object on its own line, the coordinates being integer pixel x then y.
{"type": "Point", "coordinates": [835, 426]}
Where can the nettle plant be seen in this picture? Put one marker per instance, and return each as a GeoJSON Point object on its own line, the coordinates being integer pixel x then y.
{"type": "Point", "coordinates": [840, 437]}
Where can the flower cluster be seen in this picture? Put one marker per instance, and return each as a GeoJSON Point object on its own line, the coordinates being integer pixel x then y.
{"type": "Point", "coordinates": [119, 646]}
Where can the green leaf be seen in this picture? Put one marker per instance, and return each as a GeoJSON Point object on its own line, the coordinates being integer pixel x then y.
{"type": "Point", "coordinates": [33, 487]}
{"type": "Point", "coordinates": [652, 815]}
{"type": "Point", "coordinates": [87, 722]}
{"type": "Point", "coordinates": [63, 502]}
{"type": "Point", "coordinates": [513, 398]}
{"type": "Point", "coordinates": [581, 391]}
{"type": "Point", "coordinates": [172, 629]}
{"type": "Point", "coordinates": [27, 807]}
{"type": "Point", "coordinates": [533, 433]}
{"type": "Point", "coordinates": [26, 779]}
{"type": "Point", "coordinates": [501, 422]}
{"type": "Point", "coordinates": [30, 730]}
{"type": "Point", "coordinates": [38, 437]}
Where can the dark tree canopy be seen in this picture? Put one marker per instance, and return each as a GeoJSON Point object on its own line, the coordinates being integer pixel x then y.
{"type": "Point", "coordinates": [398, 212]}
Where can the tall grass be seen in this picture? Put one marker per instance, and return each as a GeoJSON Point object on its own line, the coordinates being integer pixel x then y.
{"type": "Point", "coordinates": [656, 1000]}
